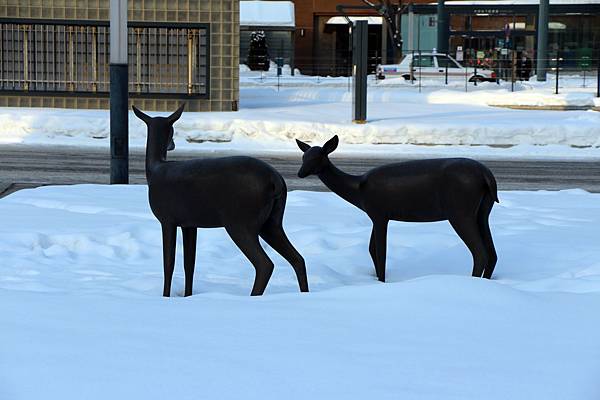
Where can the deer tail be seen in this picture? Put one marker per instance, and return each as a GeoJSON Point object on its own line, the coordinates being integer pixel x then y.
{"type": "Point", "coordinates": [490, 180]}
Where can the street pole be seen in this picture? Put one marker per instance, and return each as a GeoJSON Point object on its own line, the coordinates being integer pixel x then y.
{"type": "Point", "coordinates": [119, 108]}
{"type": "Point", "coordinates": [411, 28]}
{"type": "Point", "coordinates": [542, 40]}
{"type": "Point", "coordinates": [442, 27]}
{"type": "Point", "coordinates": [359, 71]}
{"type": "Point", "coordinates": [598, 81]}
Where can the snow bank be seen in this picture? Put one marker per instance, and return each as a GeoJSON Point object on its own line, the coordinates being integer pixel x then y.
{"type": "Point", "coordinates": [81, 312]}
{"type": "Point", "coordinates": [271, 119]}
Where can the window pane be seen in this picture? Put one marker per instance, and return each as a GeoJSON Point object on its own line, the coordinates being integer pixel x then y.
{"type": "Point", "coordinates": [445, 61]}
{"type": "Point", "coordinates": [423, 61]}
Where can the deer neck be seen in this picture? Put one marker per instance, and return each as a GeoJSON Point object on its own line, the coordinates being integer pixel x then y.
{"type": "Point", "coordinates": [154, 156]}
{"type": "Point", "coordinates": [344, 185]}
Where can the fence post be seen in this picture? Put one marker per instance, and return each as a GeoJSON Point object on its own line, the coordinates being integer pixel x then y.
{"type": "Point", "coordinates": [359, 71]}
{"type": "Point", "coordinates": [412, 67]}
{"type": "Point", "coordinates": [598, 81]}
{"type": "Point", "coordinates": [512, 78]}
{"type": "Point", "coordinates": [557, 69]}
{"type": "Point", "coordinates": [119, 107]}
{"type": "Point", "coordinates": [447, 68]}
{"type": "Point", "coordinates": [420, 70]}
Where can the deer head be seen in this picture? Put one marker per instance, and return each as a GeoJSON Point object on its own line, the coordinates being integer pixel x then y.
{"type": "Point", "coordinates": [315, 158]}
{"type": "Point", "coordinates": [160, 129]}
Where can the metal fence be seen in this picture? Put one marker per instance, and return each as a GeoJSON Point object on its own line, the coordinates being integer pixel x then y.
{"type": "Point", "coordinates": [51, 57]}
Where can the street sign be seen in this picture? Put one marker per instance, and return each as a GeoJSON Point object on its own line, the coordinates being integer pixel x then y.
{"type": "Point", "coordinates": [459, 53]}
{"type": "Point", "coordinates": [585, 62]}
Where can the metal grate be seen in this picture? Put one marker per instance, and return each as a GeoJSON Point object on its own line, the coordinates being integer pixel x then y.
{"type": "Point", "coordinates": [75, 58]}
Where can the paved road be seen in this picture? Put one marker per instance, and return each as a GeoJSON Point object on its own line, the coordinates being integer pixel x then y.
{"type": "Point", "coordinates": [29, 166]}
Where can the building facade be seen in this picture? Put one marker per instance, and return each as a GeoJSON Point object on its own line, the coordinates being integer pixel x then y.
{"type": "Point", "coordinates": [276, 19]}
{"type": "Point", "coordinates": [488, 26]}
{"type": "Point", "coordinates": [55, 53]}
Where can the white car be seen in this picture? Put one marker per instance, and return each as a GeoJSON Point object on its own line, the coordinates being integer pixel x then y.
{"type": "Point", "coordinates": [428, 65]}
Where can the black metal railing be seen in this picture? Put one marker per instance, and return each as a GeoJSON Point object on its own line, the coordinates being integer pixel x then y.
{"type": "Point", "coordinates": [58, 57]}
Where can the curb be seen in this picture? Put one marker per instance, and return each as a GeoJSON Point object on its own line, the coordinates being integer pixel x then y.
{"type": "Point", "coordinates": [547, 108]}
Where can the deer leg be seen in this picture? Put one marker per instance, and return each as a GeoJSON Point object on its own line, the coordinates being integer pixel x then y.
{"type": "Point", "coordinates": [373, 249]}
{"type": "Point", "coordinates": [380, 229]}
{"type": "Point", "coordinates": [189, 257]}
{"type": "Point", "coordinates": [169, 237]}
{"type": "Point", "coordinates": [276, 238]}
{"type": "Point", "coordinates": [468, 230]}
{"type": "Point", "coordinates": [248, 243]}
{"type": "Point", "coordinates": [484, 228]}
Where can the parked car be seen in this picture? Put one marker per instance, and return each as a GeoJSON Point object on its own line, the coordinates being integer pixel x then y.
{"type": "Point", "coordinates": [428, 65]}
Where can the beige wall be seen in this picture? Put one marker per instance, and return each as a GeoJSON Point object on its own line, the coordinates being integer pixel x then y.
{"type": "Point", "coordinates": [222, 15]}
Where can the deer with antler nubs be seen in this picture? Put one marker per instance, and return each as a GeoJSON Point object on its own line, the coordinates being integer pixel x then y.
{"type": "Point", "coordinates": [459, 190]}
{"type": "Point", "coordinates": [244, 195]}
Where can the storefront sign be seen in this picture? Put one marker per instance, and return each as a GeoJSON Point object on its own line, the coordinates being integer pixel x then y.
{"type": "Point", "coordinates": [486, 11]}
{"type": "Point", "coordinates": [459, 53]}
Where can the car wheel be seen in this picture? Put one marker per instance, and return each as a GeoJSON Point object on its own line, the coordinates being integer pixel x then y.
{"type": "Point", "coordinates": [407, 77]}
{"type": "Point", "coordinates": [477, 78]}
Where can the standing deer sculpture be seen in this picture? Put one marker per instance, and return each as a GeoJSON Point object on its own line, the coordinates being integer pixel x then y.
{"type": "Point", "coordinates": [244, 195]}
{"type": "Point", "coordinates": [459, 190]}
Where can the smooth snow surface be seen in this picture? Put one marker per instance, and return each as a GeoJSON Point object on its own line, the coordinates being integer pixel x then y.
{"type": "Point", "coordinates": [82, 315]}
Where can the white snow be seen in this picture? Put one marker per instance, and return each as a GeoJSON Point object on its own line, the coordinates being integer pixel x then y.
{"type": "Point", "coordinates": [82, 314]}
{"type": "Point", "coordinates": [344, 21]}
{"type": "Point", "coordinates": [434, 119]}
{"type": "Point", "coordinates": [267, 13]}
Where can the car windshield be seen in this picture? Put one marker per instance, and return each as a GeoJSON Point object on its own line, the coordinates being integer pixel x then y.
{"type": "Point", "coordinates": [444, 62]}
{"type": "Point", "coordinates": [423, 61]}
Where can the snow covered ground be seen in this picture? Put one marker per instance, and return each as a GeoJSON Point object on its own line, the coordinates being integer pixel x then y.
{"type": "Point", "coordinates": [438, 120]}
{"type": "Point", "coordinates": [82, 316]}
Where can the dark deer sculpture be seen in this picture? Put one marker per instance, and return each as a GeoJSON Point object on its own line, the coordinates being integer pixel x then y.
{"type": "Point", "coordinates": [244, 195]}
{"type": "Point", "coordinates": [459, 190]}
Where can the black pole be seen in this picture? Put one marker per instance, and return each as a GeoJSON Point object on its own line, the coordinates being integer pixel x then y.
{"type": "Point", "coordinates": [557, 68]}
{"type": "Point", "coordinates": [359, 71]}
{"type": "Point", "coordinates": [442, 27]}
{"type": "Point", "coordinates": [475, 68]}
{"type": "Point", "coordinates": [447, 60]}
{"type": "Point", "coordinates": [598, 81]}
{"type": "Point", "coordinates": [119, 130]}
{"type": "Point", "coordinates": [542, 40]}
{"type": "Point", "coordinates": [119, 108]}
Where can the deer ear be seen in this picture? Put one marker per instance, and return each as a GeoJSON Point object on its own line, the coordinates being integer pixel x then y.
{"type": "Point", "coordinates": [141, 115]}
{"type": "Point", "coordinates": [303, 146]}
{"type": "Point", "coordinates": [175, 116]}
{"type": "Point", "coordinates": [331, 144]}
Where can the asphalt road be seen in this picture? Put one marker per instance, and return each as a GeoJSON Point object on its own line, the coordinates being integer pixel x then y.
{"type": "Point", "coordinates": [30, 166]}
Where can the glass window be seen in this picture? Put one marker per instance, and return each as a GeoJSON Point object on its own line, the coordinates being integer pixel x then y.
{"type": "Point", "coordinates": [445, 61]}
{"type": "Point", "coordinates": [423, 61]}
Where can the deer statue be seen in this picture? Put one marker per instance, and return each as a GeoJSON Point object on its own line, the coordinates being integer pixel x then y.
{"type": "Point", "coordinates": [459, 190]}
{"type": "Point", "coordinates": [244, 195]}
